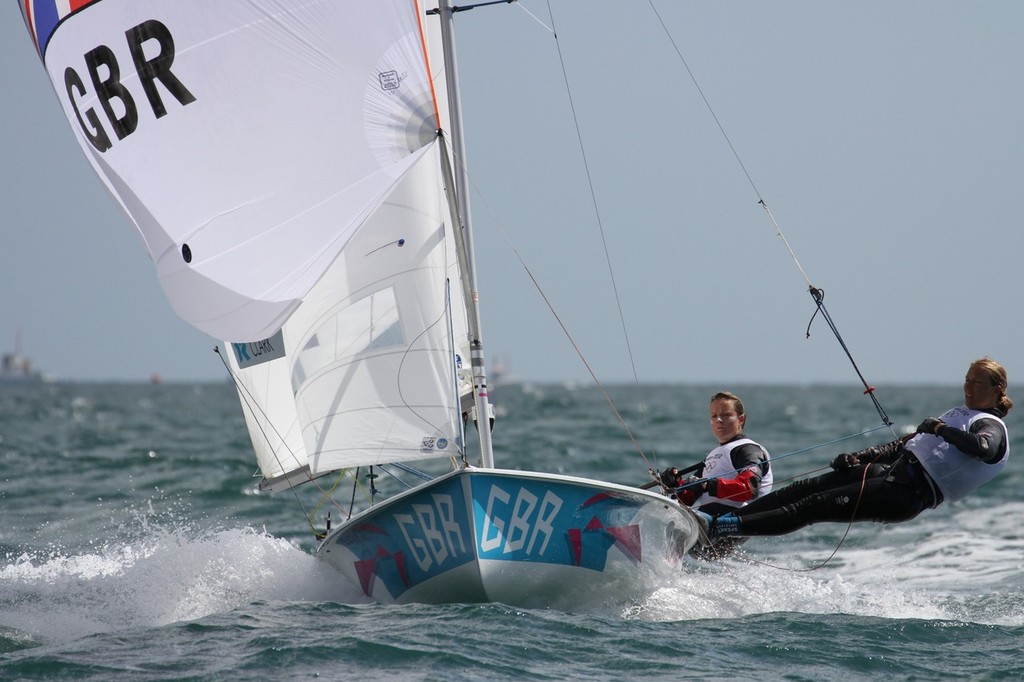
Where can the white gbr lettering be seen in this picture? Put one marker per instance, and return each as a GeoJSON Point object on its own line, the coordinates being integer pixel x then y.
{"type": "Point", "coordinates": [526, 521]}
{"type": "Point", "coordinates": [431, 532]}
{"type": "Point", "coordinates": [549, 508]}
{"type": "Point", "coordinates": [519, 528]}
{"type": "Point", "coordinates": [491, 539]}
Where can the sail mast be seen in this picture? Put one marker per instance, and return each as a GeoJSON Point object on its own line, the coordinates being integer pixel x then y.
{"type": "Point", "coordinates": [462, 193]}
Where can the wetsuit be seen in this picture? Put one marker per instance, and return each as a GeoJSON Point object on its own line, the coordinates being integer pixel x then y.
{"type": "Point", "coordinates": [735, 472]}
{"type": "Point", "coordinates": [887, 483]}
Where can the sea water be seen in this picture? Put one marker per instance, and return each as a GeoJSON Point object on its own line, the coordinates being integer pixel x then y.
{"type": "Point", "coordinates": [134, 546]}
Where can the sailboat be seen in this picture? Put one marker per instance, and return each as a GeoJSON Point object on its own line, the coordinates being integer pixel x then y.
{"type": "Point", "coordinates": [296, 173]}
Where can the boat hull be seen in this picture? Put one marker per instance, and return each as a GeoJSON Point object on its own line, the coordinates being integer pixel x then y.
{"type": "Point", "coordinates": [519, 538]}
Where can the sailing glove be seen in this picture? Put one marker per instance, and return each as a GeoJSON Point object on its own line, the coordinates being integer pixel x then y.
{"type": "Point", "coordinates": [929, 425]}
{"type": "Point", "coordinates": [670, 478]}
{"type": "Point", "coordinates": [844, 461]}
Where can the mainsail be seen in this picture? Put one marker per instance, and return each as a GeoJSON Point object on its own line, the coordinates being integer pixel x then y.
{"type": "Point", "coordinates": [282, 166]}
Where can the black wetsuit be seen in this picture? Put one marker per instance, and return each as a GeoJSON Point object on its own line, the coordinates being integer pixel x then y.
{"type": "Point", "coordinates": [887, 484]}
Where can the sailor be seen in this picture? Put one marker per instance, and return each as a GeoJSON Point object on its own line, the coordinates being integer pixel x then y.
{"type": "Point", "coordinates": [733, 474]}
{"type": "Point", "coordinates": [945, 459]}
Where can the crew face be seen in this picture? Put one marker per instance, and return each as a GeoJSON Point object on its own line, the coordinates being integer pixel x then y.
{"type": "Point", "coordinates": [979, 391]}
{"type": "Point", "coordinates": [725, 422]}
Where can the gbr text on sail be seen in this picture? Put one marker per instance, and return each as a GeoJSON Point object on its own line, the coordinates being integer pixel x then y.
{"type": "Point", "coordinates": [151, 49]}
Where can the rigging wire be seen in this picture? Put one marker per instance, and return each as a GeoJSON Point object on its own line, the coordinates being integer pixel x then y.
{"type": "Point", "coordinates": [816, 293]}
{"type": "Point", "coordinates": [593, 196]}
{"type": "Point", "coordinates": [534, 16]}
{"type": "Point", "coordinates": [536, 283]}
{"type": "Point", "coordinates": [252, 404]}
{"type": "Point", "coordinates": [554, 313]}
{"type": "Point", "coordinates": [607, 254]}
{"type": "Point", "coordinates": [835, 550]}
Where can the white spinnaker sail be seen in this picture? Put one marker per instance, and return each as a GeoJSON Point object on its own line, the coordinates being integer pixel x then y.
{"type": "Point", "coordinates": [251, 144]}
{"type": "Point", "coordinates": [247, 141]}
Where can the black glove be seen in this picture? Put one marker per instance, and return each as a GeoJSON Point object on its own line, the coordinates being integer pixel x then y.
{"type": "Point", "coordinates": [670, 478]}
{"type": "Point", "coordinates": [929, 425]}
{"type": "Point", "coordinates": [844, 461]}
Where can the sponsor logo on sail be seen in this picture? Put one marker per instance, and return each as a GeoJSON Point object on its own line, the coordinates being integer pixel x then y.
{"type": "Point", "coordinates": [389, 80]}
{"type": "Point", "coordinates": [258, 352]}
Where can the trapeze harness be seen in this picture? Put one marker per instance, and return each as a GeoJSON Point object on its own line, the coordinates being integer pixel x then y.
{"type": "Point", "coordinates": [956, 473]}
{"type": "Point", "coordinates": [719, 464]}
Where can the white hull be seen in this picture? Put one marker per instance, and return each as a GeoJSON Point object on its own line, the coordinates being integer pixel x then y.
{"type": "Point", "coordinates": [519, 538]}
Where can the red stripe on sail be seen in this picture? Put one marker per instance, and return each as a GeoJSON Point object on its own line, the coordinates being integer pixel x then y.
{"type": "Point", "coordinates": [426, 61]}
{"type": "Point", "coordinates": [30, 23]}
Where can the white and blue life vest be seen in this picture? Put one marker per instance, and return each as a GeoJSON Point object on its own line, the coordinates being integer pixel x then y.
{"type": "Point", "coordinates": [956, 473]}
{"type": "Point", "coordinates": [718, 464]}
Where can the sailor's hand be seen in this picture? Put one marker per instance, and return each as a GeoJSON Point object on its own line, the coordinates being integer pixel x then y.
{"type": "Point", "coordinates": [695, 483]}
{"type": "Point", "coordinates": [691, 489]}
{"type": "Point", "coordinates": [844, 461]}
{"type": "Point", "coordinates": [670, 478]}
{"type": "Point", "coordinates": [930, 425]}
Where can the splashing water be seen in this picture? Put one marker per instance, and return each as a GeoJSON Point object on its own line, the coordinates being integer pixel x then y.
{"type": "Point", "coordinates": [170, 575]}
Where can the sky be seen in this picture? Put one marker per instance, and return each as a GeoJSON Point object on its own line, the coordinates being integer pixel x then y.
{"type": "Point", "coordinates": [886, 138]}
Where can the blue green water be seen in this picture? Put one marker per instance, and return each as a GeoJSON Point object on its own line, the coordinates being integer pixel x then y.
{"type": "Point", "coordinates": [133, 546]}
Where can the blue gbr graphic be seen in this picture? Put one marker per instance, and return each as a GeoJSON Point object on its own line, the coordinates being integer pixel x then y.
{"type": "Point", "coordinates": [412, 541]}
{"type": "Point", "coordinates": [553, 523]}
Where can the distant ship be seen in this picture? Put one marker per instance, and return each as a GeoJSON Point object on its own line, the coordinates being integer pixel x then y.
{"type": "Point", "coordinates": [17, 368]}
{"type": "Point", "coordinates": [500, 375]}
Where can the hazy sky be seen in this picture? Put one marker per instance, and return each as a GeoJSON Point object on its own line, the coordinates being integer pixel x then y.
{"type": "Point", "coordinates": [885, 137]}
